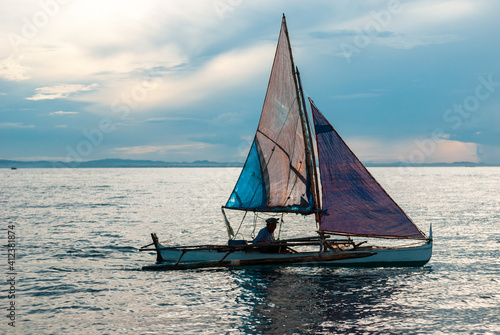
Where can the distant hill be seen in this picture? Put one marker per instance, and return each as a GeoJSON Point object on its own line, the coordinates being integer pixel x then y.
{"type": "Point", "coordinates": [112, 163]}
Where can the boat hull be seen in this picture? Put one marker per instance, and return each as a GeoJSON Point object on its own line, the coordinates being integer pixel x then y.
{"type": "Point", "coordinates": [220, 256]}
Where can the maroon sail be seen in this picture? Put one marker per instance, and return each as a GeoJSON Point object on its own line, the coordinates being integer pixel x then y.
{"type": "Point", "coordinates": [353, 201]}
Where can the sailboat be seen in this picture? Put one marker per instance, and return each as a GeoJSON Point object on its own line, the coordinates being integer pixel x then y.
{"type": "Point", "coordinates": [302, 167]}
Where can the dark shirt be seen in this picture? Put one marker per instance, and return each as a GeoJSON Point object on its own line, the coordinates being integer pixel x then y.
{"type": "Point", "coordinates": [264, 236]}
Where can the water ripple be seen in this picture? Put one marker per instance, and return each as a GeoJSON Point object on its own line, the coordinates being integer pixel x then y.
{"type": "Point", "coordinates": [79, 267]}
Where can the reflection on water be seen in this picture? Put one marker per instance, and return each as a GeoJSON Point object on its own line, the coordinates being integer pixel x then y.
{"type": "Point", "coordinates": [317, 300]}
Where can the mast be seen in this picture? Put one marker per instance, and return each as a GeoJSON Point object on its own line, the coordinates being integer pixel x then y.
{"type": "Point", "coordinates": [310, 161]}
{"type": "Point", "coordinates": [313, 172]}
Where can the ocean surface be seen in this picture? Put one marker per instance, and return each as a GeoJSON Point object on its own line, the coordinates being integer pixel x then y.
{"type": "Point", "coordinates": [77, 268]}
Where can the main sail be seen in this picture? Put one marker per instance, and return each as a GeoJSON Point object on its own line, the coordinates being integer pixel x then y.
{"type": "Point", "coordinates": [353, 201]}
{"type": "Point", "coordinates": [275, 176]}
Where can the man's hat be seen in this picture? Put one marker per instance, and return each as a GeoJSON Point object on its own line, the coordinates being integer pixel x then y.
{"type": "Point", "coordinates": [272, 220]}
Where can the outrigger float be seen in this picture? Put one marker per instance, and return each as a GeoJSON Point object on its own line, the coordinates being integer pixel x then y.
{"type": "Point", "coordinates": [293, 167]}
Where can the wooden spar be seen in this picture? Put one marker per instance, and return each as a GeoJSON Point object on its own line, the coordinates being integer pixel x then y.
{"type": "Point", "coordinates": [264, 261]}
{"type": "Point", "coordinates": [305, 130]}
{"type": "Point", "coordinates": [258, 247]}
{"type": "Point", "coordinates": [230, 232]}
{"type": "Point", "coordinates": [310, 153]}
{"type": "Point", "coordinates": [311, 240]}
{"type": "Point", "coordinates": [278, 211]}
{"type": "Point", "coordinates": [248, 247]}
{"type": "Point", "coordinates": [183, 253]}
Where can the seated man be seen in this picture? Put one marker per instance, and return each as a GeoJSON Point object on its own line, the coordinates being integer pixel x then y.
{"type": "Point", "coordinates": [266, 235]}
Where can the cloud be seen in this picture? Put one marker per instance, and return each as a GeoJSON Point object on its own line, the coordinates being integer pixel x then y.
{"type": "Point", "coordinates": [11, 69]}
{"type": "Point", "coordinates": [184, 41]}
{"type": "Point", "coordinates": [171, 118]}
{"type": "Point", "coordinates": [60, 91]}
{"type": "Point", "coordinates": [442, 11]}
{"type": "Point", "coordinates": [208, 65]}
{"type": "Point", "coordinates": [404, 42]}
{"type": "Point", "coordinates": [357, 96]}
{"type": "Point", "coordinates": [87, 39]}
{"type": "Point", "coordinates": [449, 151]}
{"type": "Point", "coordinates": [414, 151]}
{"type": "Point", "coordinates": [63, 113]}
{"type": "Point", "coordinates": [225, 138]}
{"type": "Point", "coordinates": [347, 33]}
{"type": "Point", "coordinates": [227, 71]}
{"type": "Point", "coordinates": [15, 125]}
{"type": "Point", "coordinates": [159, 149]}
{"type": "Point", "coordinates": [413, 24]}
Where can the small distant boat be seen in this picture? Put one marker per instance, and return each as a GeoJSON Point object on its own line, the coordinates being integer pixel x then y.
{"type": "Point", "coordinates": [282, 175]}
{"type": "Point", "coordinates": [13, 168]}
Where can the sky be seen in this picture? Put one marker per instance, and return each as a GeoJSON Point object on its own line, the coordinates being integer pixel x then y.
{"type": "Point", "coordinates": [179, 81]}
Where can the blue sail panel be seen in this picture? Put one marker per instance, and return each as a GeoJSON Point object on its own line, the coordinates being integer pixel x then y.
{"type": "Point", "coordinates": [250, 190]}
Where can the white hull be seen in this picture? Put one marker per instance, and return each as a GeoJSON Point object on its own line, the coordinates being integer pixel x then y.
{"type": "Point", "coordinates": [221, 256]}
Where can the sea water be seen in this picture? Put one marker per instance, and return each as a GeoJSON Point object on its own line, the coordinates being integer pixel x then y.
{"type": "Point", "coordinates": [76, 235]}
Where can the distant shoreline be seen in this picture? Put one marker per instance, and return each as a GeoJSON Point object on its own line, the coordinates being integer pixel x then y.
{"type": "Point", "coordinates": [130, 163]}
{"type": "Point", "coordinates": [113, 163]}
